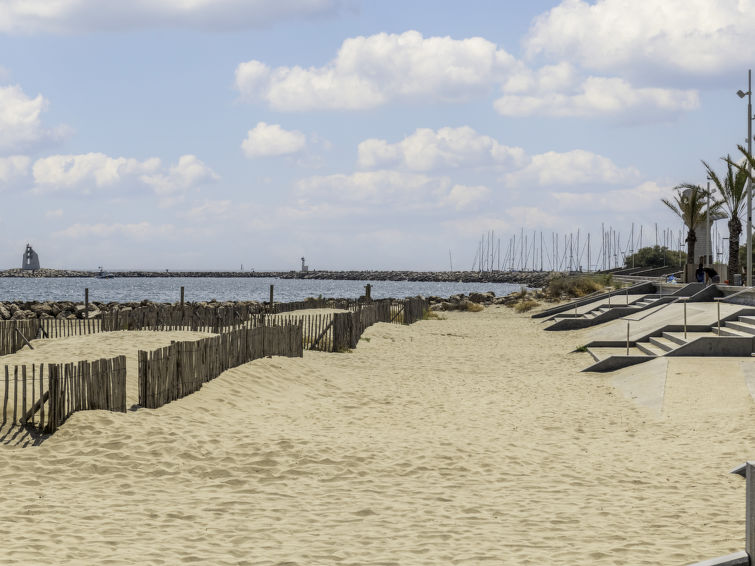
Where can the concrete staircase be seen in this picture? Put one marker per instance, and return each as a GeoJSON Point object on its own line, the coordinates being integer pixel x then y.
{"type": "Point", "coordinates": [743, 326]}
{"type": "Point", "coordinates": [736, 338]}
{"type": "Point", "coordinates": [605, 312]}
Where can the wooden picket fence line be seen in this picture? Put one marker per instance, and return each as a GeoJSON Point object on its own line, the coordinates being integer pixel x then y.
{"type": "Point", "coordinates": [15, 334]}
{"type": "Point", "coordinates": [44, 402]}
{"type": "Point", "coordinates": [180, 369]}
{"type": "Point", "coordinates": [340, 331]}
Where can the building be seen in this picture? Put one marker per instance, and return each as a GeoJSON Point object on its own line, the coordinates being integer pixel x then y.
{"type": "Point", "coordinates": [30, 259]}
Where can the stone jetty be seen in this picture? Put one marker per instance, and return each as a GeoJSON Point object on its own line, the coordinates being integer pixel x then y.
{"type": "Point", "coordinates": [71, 310]}
{"type": "Point", "coordinates": [528, 278]}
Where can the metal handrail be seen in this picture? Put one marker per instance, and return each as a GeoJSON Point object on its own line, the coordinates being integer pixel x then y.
{"type": "Point", "coordinates": [655, 311]}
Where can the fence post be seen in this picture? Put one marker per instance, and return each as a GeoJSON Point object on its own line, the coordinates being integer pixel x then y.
{"type": "Point", "coordinates": [627, 337]}
{"type": "Point", "coordinates": [271, 298]}
{"type": "Point", "coordinates": [86, 302]}
{"type": "Point", "coordinates": [182, 300]}
{"type": "Point", "coordinates": [368, 292]}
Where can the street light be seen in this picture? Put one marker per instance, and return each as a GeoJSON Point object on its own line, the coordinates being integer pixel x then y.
{"type": "Point", "coordinates": [741, 94]}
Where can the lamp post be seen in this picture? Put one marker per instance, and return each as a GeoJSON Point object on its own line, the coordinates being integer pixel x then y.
{"type": "Point", "coordinates": [749, 177]}
{"type": "Point", "coordinates": [707, 228]}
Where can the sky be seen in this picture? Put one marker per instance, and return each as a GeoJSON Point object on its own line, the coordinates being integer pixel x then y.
{"type": "Point", "coordinates": [216, 134]}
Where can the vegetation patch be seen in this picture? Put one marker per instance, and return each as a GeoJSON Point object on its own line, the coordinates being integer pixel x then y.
{"type": "Point", "coordinates": [526, 305]}
{"type": "Point", "coordinates": [577, 286]}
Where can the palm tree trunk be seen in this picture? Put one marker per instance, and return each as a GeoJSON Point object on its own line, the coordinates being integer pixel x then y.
{"type": "Point", "coordinates": [691, 239]}
{"type": "Point", "coordinates": [735, 231]}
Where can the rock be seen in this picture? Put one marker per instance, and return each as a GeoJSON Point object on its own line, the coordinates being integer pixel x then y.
{"type": "Point", "coordinates": [41, 308]}
{"type": "Point", "coordinates": [5, 313]}
{"type": "Point", "coordinates": [486, 297]}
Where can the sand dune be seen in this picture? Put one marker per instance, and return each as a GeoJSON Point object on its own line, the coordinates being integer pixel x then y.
{"type": "Point", "coordinates": [470, 440]}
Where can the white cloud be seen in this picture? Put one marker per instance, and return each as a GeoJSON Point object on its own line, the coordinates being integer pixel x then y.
{"type": "Point", "coordinates": [472, 226]}
{"type": "Point", "coordinates": [570, 168]}
{"type": "Point", "coordinates": [87, 172]}
{"type": "Point", "coordinates": [361, 192]}
{"type": "Point", "coordinates": [67, 16]}
{"type": "Point", "coordinates": [189, 172]}
{"type": "Point", "coordinates": [136, 231]}
{"type": "Point", "coordinates": [20, 123]}
{"type": "Point", "coordinates": [465, 196]}
{"type": "Point", "coordinates": [209, 209]}
{"type": "Point", "coordinates": [427, 150]}
{"type": "Point", "coordinates": [13, 167]}
{"type": "Point", "coordinates": [533, 217]}
{"type": "Point", "coordinates": [370, 71]}
{"type": "Point", "coordinates": [377, 188]}
{"type": "Point", "coordinates": [692, 37]}
{"type": "Point", "coordinates": [57, 213]}
{"type": "Point", "coordinates": [91, 172]}
{"type": "Point", "coordinates": [643, 197]}
{"type": "Point", "coordinates": [593, 97]}
{"type": "Point", "coordinates": [265, 140]}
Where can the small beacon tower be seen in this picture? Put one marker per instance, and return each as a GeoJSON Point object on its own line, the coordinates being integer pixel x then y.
{"type": "Point", "coordinates": [30, 260]}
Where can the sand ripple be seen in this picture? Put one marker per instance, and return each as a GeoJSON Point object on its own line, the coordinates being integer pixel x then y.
{"type": "Point", "coordinates": [470, 440]}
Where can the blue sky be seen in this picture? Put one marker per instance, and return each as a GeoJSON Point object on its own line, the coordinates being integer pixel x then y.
{"type": "Point", "coordinates": [182, 134]}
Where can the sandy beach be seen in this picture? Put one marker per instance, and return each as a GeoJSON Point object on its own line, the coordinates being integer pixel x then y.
{"type": "Point", "coordinates": [474, 439]}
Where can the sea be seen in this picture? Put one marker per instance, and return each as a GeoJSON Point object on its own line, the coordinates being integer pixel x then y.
{"type": "Point", "coordinates": [168, 289]}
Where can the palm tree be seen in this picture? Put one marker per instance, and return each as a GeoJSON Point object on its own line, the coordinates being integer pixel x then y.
{"type": "Point", "coordinates": [689, 205]}
{"type": "Point", "coordinates": [733, 190]}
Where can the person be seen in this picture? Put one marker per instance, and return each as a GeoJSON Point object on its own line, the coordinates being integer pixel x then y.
{"type": "Point", "coordinates": [712, 275]}
{"type": "Point", "coordinates": [671, 279]}
{"type": "Point", "coordinates": [700, 274]}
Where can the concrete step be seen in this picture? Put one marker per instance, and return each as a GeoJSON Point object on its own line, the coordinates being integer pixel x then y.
{"type": "Point", "coordinates": [601, 353]}
{"type": "Point", "coordinates": [741, 326]}
{"type": "Point", "coordinates": [663, 343]}
{"type": "Point", "coordinates": [678, 337]}
{"type": "Point", "coordinates": [726, 331]}
{"type": "Point", "coordinates": [650, 349]}
{"type": "Point", "coordinates": [747, 319]}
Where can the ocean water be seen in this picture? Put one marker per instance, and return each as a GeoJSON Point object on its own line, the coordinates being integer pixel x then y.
{"type": "Point", "coordinates": [168, 289]}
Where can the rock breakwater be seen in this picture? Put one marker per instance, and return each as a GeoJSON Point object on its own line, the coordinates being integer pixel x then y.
{"type": "Point", "coordinates": [528, 278]}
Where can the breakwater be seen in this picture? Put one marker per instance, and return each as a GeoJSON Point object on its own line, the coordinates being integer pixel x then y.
{"type": "Point", "coordinates": [528, 278]}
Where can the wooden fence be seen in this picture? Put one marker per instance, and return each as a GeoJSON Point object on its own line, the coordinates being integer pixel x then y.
{"type": "Point", "coordinates": [180, 369]}
{"type": "Point", "coordinates": [43, 396]}
{"type": "Point", "coordinates": [14, 334]}
{"type": "Point", "coordinates": [317, 329]}
{"type": "Point", "coordinates": [341, 331]}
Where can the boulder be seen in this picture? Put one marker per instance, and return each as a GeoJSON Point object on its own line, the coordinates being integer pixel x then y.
{"type": "Point", "coordinates": [486, 297]}
{"type": "Point", "coordinates": [41, 308]}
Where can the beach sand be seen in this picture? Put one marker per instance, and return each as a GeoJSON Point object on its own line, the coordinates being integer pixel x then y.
{"type": "Point", "coordinates": [469, 440]}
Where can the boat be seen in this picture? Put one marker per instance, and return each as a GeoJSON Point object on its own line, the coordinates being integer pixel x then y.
{"type": "Point", "coordinates": [104, 274]}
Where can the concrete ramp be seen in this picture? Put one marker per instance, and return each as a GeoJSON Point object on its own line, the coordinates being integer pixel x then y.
{"type": "Point", "coordinates": [644, 385]}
